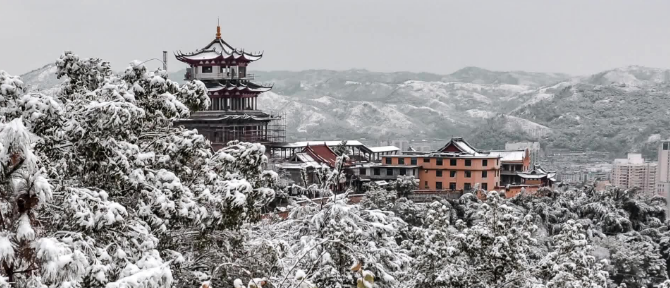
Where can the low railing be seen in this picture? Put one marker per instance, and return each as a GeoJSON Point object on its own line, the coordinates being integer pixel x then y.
{"type": "Point", "coordinates": [189, 76]}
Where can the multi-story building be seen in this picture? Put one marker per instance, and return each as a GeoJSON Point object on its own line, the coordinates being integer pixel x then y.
{"type": "Point", "coordinates": [635, 172]}
{"type": "Point", "coordinates": [663, 170]}
{"type": "Point", "coordinates": [456, 166]}
{"type": "Point", "coordinates": [533, 149]}
{"type": "Point", "coordinates": [233, 113]}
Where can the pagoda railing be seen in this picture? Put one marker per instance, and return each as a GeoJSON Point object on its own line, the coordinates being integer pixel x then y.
{"type": "Point", "coordinates": [213, 76]}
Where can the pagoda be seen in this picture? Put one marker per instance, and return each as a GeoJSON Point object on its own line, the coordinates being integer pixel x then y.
{"type": "Point", "coordinates": [233, 113]}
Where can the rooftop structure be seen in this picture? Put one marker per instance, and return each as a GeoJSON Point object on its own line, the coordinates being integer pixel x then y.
{"type": "Point", "coordinates": [233, 113]}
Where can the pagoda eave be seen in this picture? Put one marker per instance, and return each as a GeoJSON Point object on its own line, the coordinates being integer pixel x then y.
{"type": "Point", "coordinates": [212, 57]}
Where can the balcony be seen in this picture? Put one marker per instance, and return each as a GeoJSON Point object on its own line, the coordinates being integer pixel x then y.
{"type": "Point", "coordinates": [217, 76]}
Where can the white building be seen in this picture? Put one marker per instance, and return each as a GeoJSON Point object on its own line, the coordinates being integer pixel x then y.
{"type": "Point", "coordinates": [663, 170]}
{"type": "Point", "coordinates": [635, 172]}
{"type": "Point", "coordinates": [533, 147]}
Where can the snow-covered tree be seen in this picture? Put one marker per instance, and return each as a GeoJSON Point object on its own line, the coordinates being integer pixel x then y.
{"type": "Point", "coordinates": [570, 262]}
{"type": "Point", "coordinates": [140, 199]}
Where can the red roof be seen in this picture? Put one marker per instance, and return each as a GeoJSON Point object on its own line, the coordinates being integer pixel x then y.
{"type": "Point", "coordinates": [322, 154]}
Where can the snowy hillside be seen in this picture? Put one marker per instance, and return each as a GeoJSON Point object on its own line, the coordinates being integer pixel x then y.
{"type": "Point", "coordinates": [374, 105]}
{"type": "Point", "coordinates": [42, 78]}
{"type": "Point", "coordinates": [616, 110]}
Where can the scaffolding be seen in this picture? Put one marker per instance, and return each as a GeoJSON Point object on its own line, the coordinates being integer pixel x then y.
{"type": "Point", "coordinates": [255, 126]}
{"type": "Point", "coordinates": [277, 127]}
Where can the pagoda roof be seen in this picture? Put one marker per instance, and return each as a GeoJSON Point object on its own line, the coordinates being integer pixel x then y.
{"type": "Point", "coordinates": [320, 153]}
{"type": "Point", "coordinates": [236, 86]}
{"type": "Point", "coordinates": [219, 50]}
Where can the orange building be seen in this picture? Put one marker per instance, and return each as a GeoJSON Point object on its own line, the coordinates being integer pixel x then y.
{"type": "Point", "coordinates": [456, 166]}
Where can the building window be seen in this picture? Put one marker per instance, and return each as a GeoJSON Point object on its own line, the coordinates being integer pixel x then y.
{"type": "Point", "coordinates": [467, 186]}
{"type": "Point", "coordinates": [413, 161]}
{"type": "Point", "coordinates": [403, 171]}
{"type": "Point", "coordinates": [497, 162]}
{"type": "Point", "coordinates": [485, 174]}
{"type": "Point", "coordinates": [425, 184]}
{"type": "Point", "coordinates": [401, 161]}
{"type": "Point", "coordinates": [389, 171]}
{"type": "Point", "coordinates": [206, 69]}
{"type": "Point", "coordinates": [377, 171]}
{"type": "Point", "coordinates": [452, 162]}
{"type": "Point", "coordinates": [468, 162]}
{"type": "Point", "coordinates": [485, 162]}
{"type": "Point", "coordinates": [666, 146]}
{"type": "Point", "coordinates": [468, 174]}
{"type": "Point", "coordinates": [426, 160]}
{"type": "Point", "coordinates": [438, 173]}
{"type": "Point", "coordinates": [439, 161]}
{"type": "Point", "coordinates": [438, 185]}
{"type": "Point", "coordinates": [452, 185]}
{"type": "Point", "coordinates": [389, 161]}
{"type": "Point", "coordinates": [452, 174]}
{"type": "Point", "coordinates": [485, 186]}
{"type": "Point", "coordinates": [362, 171]}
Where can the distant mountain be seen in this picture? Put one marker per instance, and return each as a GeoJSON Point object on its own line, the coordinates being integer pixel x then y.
{"type": "Point", "coordinates": [483, 76]}
{"type": "Point", "coordinates": [620, 110]}
{"type": "Point", "coordinates": [42, 78]}
{"type": "Point", "coordinates": [616, 110]}
{"type": "Point", "coordinates": [323, 104]}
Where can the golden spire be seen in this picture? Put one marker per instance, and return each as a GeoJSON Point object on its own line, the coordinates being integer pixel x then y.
{"type": "Point", "coordinates": [218, 29]}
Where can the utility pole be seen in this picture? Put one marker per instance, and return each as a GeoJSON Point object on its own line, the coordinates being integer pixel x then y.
{"type": "Point", "coordinates": [165, 60]}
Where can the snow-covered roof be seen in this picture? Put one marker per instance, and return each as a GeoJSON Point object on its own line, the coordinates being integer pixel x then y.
{"type": "Point", "coordinates": [327, 143]}
{"type": "Point", "coordinates": [509, 155]}
{"type": "Point", "coordinates": [457, 147]}
{"type": "Point", "coordinates": [384, 149]}
{"type": "Point", "coordinates": [218, 50]}
{"type": "Point", "coordinates": [457, 144]}
{"type": "Point", "coordinates": [538, 173]}
{"type": "Point", "coordinates": [213, 88]}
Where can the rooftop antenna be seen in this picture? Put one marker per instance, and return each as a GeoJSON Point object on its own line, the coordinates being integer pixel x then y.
{"type": "Point", "coordinates": [165, 60]}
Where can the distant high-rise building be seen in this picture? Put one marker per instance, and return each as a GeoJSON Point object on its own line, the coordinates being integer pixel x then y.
{"type": "Point", "coordinates": [663, 169]}
{"type": "Point", "coordinates": [533, 147]}
{"type": "Point", "coordinates": [635, 172]}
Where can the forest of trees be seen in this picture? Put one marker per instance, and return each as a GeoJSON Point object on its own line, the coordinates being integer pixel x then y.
{"type": "Point", "coordinates": [99, 189]}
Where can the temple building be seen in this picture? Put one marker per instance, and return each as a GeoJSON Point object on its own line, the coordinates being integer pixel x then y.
{"type": "Point", "coordinates": [233, 113]}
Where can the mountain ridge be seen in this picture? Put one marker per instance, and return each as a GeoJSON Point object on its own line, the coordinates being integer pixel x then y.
{"type": "Point", "coordinates": [492, 107]}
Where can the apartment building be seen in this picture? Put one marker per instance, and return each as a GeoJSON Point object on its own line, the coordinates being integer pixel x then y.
{"type": "Point", "coordinates": [456, 166]}
{"type": "Point", "coordinates": [634, 171]}
{"type": "Point", "coordinates": [663, 169]}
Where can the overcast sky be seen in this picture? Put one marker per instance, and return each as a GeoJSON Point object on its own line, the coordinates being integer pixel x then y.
{"type": "Point", "coordinates": [576, 37]}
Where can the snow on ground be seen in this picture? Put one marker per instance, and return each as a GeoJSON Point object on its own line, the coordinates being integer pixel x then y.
{"type": "Point", "coordinates": [324, 99]}
{"type": "Point", "coordinates": [476, 113]}
{"type": "Point", "coordinates": [529, 127]}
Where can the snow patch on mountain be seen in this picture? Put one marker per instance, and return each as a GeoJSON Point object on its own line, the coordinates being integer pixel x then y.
{"type": "Point", "coordinates": [480, 113]}
{"type": "Point", "coordinates": [529, 127]}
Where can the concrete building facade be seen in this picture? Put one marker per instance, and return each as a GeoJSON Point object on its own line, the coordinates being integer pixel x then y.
{"type": "Point", "coordinates": [634, 171]}
{"type": "Point", "coordinates": [663, 171]}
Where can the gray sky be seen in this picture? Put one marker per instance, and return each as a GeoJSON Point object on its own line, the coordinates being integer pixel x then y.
{"type": "Point", "coordinates": [576, 37]}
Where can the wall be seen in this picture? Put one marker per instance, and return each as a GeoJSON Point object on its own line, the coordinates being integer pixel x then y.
{"type": "Point", "coordinates": [429, 167]}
